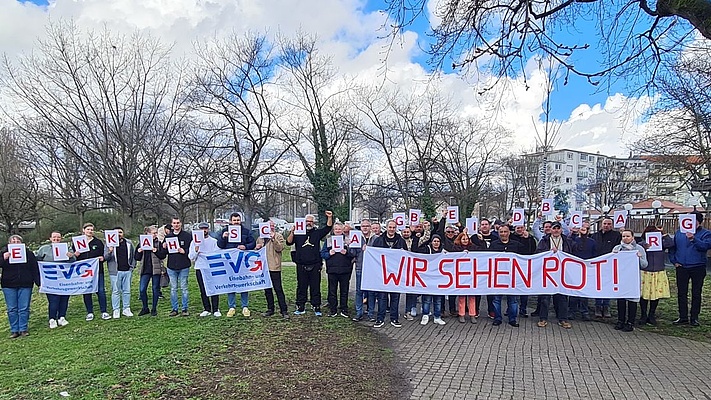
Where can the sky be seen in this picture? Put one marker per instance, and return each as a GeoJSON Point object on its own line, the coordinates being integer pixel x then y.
{"type": "Point", "coordinates": [353, 32]}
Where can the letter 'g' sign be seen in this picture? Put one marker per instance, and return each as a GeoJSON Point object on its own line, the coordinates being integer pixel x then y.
{"type": "Point", "coordinates": [399, 218]}
{"type": "Point", "coordinates": [687, 223]}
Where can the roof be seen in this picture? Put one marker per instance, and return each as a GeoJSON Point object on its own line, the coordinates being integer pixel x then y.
{"type": "Point", "coordinates": [668, 205]}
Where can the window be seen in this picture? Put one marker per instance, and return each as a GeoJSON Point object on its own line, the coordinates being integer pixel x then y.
{"type": "Point", "coordinates": [592, 158]}
{"type": "Point", "coordinates": [569, 168]}
{"type": "Point", "coordinates": [569, 155]}
{"type": "Point", "coordinates": [568, 180]}
{"type": "Point", "coordinates": [583, 157]}
{"type": "Point", "coordinates": [556, 179]}
{"type": "Point", "coordinates": [557, 167]}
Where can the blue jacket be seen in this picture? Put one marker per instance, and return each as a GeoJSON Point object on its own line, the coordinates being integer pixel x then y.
{"type": "Point", "coordinates": [690, 253]}
{"type": "Point", "coordinates": [248, 240]}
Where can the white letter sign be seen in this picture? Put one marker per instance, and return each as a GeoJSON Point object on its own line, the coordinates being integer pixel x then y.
{"type": "Point", "coordinates": [547, 207]}
{"type": "Point", "coordinates": [112, 238]}
{"type": "Point", "coordinates": [265, 230]}
{"type": "Point", "coordinates": [687, 223]}
{"type": "Point", "coordinates": [173, 245]}
{"type": "Point", "coordinates": [620, 219]}
{"type": "Point", "coordinates": [337, 243]}
{"type": "Point", "coordinates": [472, 225]}
{"type": "Point", "coordinates": [299, 226]}
{"type": "Point", "coordinates": [415, 216]}
{"type": "Point", "coordinates": [517, 218]}
{"type": "Point", "coordinates": [452, 214]}
{"type": "Point", "coordinates": [399, 218]}
{"type": "Point", "coordinates": [654, 240]}
{"type": "Point", "coordinates": [356, 239]}
{"type": "Point", "coordinates": [18, 255]}
{"type": "Point", "coordinates": [81, 244]}
{"type": "Point", "coordinates": [146, 242]}
{"type": "Point", "coordinates": [198, 236]}
{"type": "Point", "coordinates": [59, 251]}
{"type": "Point", "coordinates": [235, 233]}
{"type": "Point", "coordinates": [576, 219]}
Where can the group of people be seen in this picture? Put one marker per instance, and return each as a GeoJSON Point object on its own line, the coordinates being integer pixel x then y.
{"type": "Point", "coordinates": [310, 251]}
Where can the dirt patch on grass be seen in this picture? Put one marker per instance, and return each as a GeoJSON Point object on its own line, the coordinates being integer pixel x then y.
{"type": "Point", "coordinates": [306, 358]}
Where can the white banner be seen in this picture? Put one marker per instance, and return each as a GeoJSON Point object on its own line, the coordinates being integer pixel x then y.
{"type": "Point", "coordinates": [609, 276]}
{"type": "Point", "coordinates": [69, 278]}
{"type": "Point", "coordinates": [234, 271]}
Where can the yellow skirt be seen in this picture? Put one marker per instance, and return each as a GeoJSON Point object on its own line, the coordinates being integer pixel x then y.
{"type": "Point", "coordinates": [655, 285]}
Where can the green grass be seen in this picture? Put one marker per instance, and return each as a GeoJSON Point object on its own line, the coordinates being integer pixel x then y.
{"type": "Point", "coordinates": [161, 357]}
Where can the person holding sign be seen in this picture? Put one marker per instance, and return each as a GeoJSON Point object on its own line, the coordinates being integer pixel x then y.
{"type": "Point", "coordinates": [655, 283]}
{"type": "Point", "coordinates": [178, 266]}
{"type": "Point", "coordinates": [583, 246]}
{"type": "Point", "coordinates": [689, 257]}
{"type": "Point", "coordinates": [205, 244]}
{"type": "Point", "coordinates": [151, 269]}
{"type": "Point", "coordinates": [432, 302]}
{"type": "Point", "coordinates": [605, 240]}
{"type": "Point", "coordinates": [627, 308]}
{"type": "Point", "coordinates": [464, 244]}
{"type": "Point", "coordinates": [58, 304]}
{"type": "Point", "coordinates": [339, 267]}
{"type": "Point", "coordinates": [17, 281]}
{"type": "Point", "coordinates": [357, 253]}
{"type": "Point", "coordinates": [96, 250]}
{"type": "Point", "coordinates": [274, 244]}
{"type": "Point", "coordinates": [307, 257]}
{"type": "Point", "coordinates": [389, 240]}
{"type": "Point", "coordinates": [120, 263]}
{"type": "Point", "coordinates": [555, 242]}
{"type": "Point", "coordinates": [236, 236]}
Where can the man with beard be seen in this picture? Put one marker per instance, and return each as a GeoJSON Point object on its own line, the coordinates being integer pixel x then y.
{"type": "Point", "coordinates": [483, 240]}
{"type": "Point", "coordinates": [506, 245]}
{"type": "Point", "coordinates": [411, 244]}
{"type": "Point", "coordinates": [247, 242]}
{"type": "Point", "coordinates": [307, 256]}
{"type": "Point", "coordinates": [357, 253]}
{"type": "Point", "coordinates": [529, 247]}
{"type": "Point", "coordinates": [555, 242]}
{"type": "Point", "coordinates": [605, 240]}
{"type": "Point", "coordinates": [389, 240]}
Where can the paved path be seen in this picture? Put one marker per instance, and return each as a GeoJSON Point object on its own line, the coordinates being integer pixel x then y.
{"type": "Point", "coordinates": [590, 361]}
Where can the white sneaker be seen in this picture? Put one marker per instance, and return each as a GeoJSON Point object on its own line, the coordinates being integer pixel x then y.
{"type": "Point", "coordinates": [89, 317]}
{"type": "Point", "coordinates": [217, 313]}
{"type": "Point", "coordinates": [439, 321]}
{"type": "Point", "coordinates": [107, 316]}
{"type": "Point", "coordinates": [127, 312]}
{"type": "Point", "coordinates": [231, 312]}
{"type": "Point", "coordinates": [52, 323]}
{"type": "Point", "coordinates": [204, 314]}
{"type": "Point", "coordinates": [425, 320]}
{"type": "Point", "coordinates": [62, 321]}
{"type": "Point", "coordinates": [246, 312]}
{"type": "Point", "coordinates": [117, 314]}
{"type": "Point", "coordinates": [413, 311]}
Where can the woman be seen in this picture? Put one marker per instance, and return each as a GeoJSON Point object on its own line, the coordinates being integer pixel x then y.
{"type": "Point", "coordinates": [339, 267]}
{"type": "Point", "coordinates": [627, 308]}
{"type": "Point", "coordinates": [151, 268]}
{"type": "Point", "coordinates": [655, 284]}
{"type": "Point", "coordinates": [435, 246]}
{"type": "Point", "coordinates": [464, 244]}
{"type": "Point", "coordinates": [58, 304]}
{"type": "Point", "coordinates": [17, 282]}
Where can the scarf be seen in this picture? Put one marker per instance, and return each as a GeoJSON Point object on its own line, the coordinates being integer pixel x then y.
{"type": "Point", "coordinates": [628, 247]}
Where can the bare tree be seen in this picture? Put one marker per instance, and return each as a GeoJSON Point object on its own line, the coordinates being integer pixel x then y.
{"type": "Point", "coordinates": [19, 190]}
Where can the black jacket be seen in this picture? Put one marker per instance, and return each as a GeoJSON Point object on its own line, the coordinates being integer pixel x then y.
{"type": "Point", "coordinates": [397, 242]}
{"type": "Point", "coordinates": [177, 261]}
{"type": "Point", "coordinates": [22, 275]}
{"type": "Point", "coordinates": [486, 241]}
{"type": "Point", "coordinates": [308, 247]}
{"type": "Point", "coordinates": [545, 245]}
{"type": "Point", "coordinates": [606, 241]}
{"type": "Point", "coordinates": [513, 246]}
{"type": "Point", "coordinates": [96, 249]}
{"type": "Point", "coordinates": [248, 240]}
{"type": "Point", "coordinates": [337, 263]}
{"type": "Point", "coordinates": [529, 243]}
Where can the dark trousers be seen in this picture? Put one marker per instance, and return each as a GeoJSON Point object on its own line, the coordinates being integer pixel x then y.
{"type": "Point", "coordinates": [560, 304]}
{"type": "Point", "coordinates": [58, 305]}
{"type": "Point", "coordinates": [652, 309]}
{"type": "Point", "coordinates": [390, 301]}
{"type": "Point", "coordinates": [696, 275]}
{"type": "Point", "coordinates": [626, 311]}
{"type": "Point", "coordinates": [269, 293]}
{"type": "Point", "coordinates": [338, 283]}
{"type": "Point", "coordinates": [210, 304]}
{"type": "Point", "coordinates": [522, 304]}
{"type": "Point", "coordinates": [101, 295]}
{"type": "Point", "coordinates": [143, 290]}
{"type": "Point", "coordinates": [452, 305]}
{"type": "Point", "coordinates": [308, 282]}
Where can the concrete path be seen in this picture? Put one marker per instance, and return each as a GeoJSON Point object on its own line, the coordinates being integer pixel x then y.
{"type": "Point", "coordinates": [590, 361]}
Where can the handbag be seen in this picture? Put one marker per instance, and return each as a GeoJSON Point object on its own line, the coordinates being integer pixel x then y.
{"type": "Point", "coordinates": [164, 280]}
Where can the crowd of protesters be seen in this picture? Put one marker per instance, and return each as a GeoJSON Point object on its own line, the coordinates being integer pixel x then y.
{"type": "Point", "coordinates": [311, 251]}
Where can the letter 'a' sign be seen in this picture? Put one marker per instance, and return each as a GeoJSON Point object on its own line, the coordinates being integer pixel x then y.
{"type": "Point", "coordinates": [452, 214]}
{"type": "Point", "coordinates": [81, 244]}
{"type": "Point", "coordinates": [172, 244]}
{"type": "Point", "coordinates": [18, 255]}
{"type": "Point", "coordinates": [576, 219]}
{"type": "Point", "coordinates": [415, 216]}
{"type": "Point", "coordinates": [356, 239]}
{"type": "Point", "coordinates": [146, 242]}
{"type": "Point", "coordinates": [265, 230]}
{"type": "Point", "coordinates": [620, 219]}
{"type": "Point", "coordinates": [654, 240]}
{"type": "Point", "coordinates": [112, 238]}
{"type": "Point", "coordinates": [517, 217]}
{"type": "Point", "coordinates": [687, 223]}
{"type": "Point", "coordinates": [299, 226]}
{"type": "Point", "coordinates": [547, 207]}
{"type": "Point", "coordinates": [234, 234]}
{"type": "Point", "coordinates": [59, 251]}
{"type": "Point", "coordinates": [400, 221]}
{"type": "Point", "coordinates": [337, 243]}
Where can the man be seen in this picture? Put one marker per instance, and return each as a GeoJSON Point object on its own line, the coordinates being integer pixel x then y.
{"type": "Point", "coordinates": [375, 228]}
{"type": "Point", "coordinates": [357, 253]}
{"type": "Point", "coordinates": [483, 240]}
{"type": "Point", "coordinates": [178, 267]}
{"type": "Point", "coordinates": [539, 233]}
{"type": "Point", "coordinates": [339, 267]}
{"type": "Point", "coordinates": [389, 240]}
{"type": "Point", "coordinates": [529, 247]}
{"type": "Point", "coordinates": [689, 258]}
{"type": "Point", "coordinates": [555, 242]}
{"type": "Point", "coordinates": [120, 263]}
{"type": "Point", "coordinates": [210, 305]}
{"type": "Point", "coordinates": [274, 245]}
{"type": "Point", "coordinates": [307, 257]}
{"type": "Point", "coordinates": [247, 243]}
{"type": "Point", "coordinates": [605, 240]}
{"type": "Point", "coordinates": [411, 244]}
{"type": "Point", "coordinates": [506, 245]}
{"type": "Point", "coordinates": [96, 250]}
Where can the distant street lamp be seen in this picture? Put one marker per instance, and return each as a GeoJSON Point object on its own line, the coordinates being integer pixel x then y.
{"type": "Point", "coordinates": [656, 205]}
{"type": "Point", "coordinates": [605, 210]}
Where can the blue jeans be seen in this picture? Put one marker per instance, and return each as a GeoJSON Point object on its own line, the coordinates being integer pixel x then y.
{"type": "Point", "coordinates": [143, 290]}
{"type": "Point", "coordinates": [372, 296]}
{"type": "Point", "coordinates": [512, 310]}
{"type": "Point", "coordinates": [101, 294]}
{"type": "Point", "coordinates": [178, 276]}
{"type": "Point", "coordinates": [17, 301]}
{"type": "Point", "coordinates": [121, 290]}
{"type": "Point", "coordinates": [578, 304]}
{"type": "Point", "coordinates": [427, 300]}
{"type": "Point", "coordinates": [602, 302]}
{"type": "Point", "coordinates": [523, 304]}
{"type": "Point", "coordinates": [410, 302]}
{"type": "Point", "coordinates": [394, 304]}
{"type": "Point", "coordinates": [58, 305]}
{"type": "Point", "coordinates": [358, 294]}
{"type": "Point", "coordinates": [232, 299]}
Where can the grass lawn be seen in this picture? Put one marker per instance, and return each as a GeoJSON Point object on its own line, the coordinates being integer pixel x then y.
{"type": "Point", "coordinates": [195, 358]}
